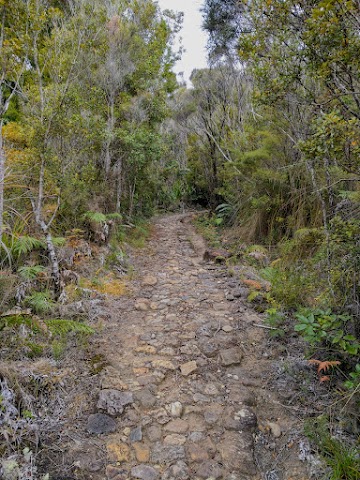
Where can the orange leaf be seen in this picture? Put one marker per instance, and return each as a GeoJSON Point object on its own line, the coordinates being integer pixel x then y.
{"type": "Point", "coordinates": [253, 284]}
{"type": "Point", "coordinates": [324, 366]}
{"type": "Point", "coordinates": [324, 379]}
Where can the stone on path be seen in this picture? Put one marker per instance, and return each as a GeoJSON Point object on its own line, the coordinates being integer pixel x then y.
{"type": "Point", "coordinates": [188, 368]}
{"type": "Point", "coordinates": [175, 409]}
{"type": "Point", "coordinates": [197, 453]}
{"type": "Point", "coordinates": [177, 426]}
{"type": "Point", "coordinates": [149, 349]}
{"type": "Point", "coordinates": [154, 433]}
{"type": "Point", "coordinates": [227, 328]}
{"type": "Point", "coordinates": [149, 280]}
{"type": "Point", "coordinates": [179, 471]}
{"type": "Point", "coordinates": [136, 435]}
{"type": "Point", "coordinates": [142, 306]}
{"type": "Point", "coordinates": [275, 429]}
{"type": "Point", "coordinates": [164, 454]}
{"type": "Point", "coordinates": [115, 473]}
{"type": "Point", "coordinates": [237, 452]}
{"type": "Point", "coordinates": [144, 472]}
{"type": "Point", "coordinates": [211, 470]}
{"type": "Point", "coordinates": [142, 452]}
{"type": "Point", "coordinates": [100, 423]}
{"type": "Point", "coordinates": [165, 364]}
{"type": "Point", "coordinates": [118, 452]}
{"type": "Point", "coordinates": [114, 401]}
{"type": "Point", "coordinates": [175, 439]}
{"type": "Point", "coordinates": [145, 398]}
{"type": "Point", "coordinates": [231, 356]}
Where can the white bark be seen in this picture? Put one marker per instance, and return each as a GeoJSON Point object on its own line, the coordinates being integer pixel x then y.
{"type": "Point", "coordinates": [2, 180]}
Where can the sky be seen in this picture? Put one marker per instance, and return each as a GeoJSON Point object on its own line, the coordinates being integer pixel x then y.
{"type": "Point", "coordinates": [193, 38]}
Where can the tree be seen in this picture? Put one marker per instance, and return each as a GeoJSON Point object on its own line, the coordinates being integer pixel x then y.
{"type": "Point", "coordinates": [14, 18]}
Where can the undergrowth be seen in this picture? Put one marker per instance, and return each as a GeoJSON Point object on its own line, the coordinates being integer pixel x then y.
{"type": "Point", "coordinates": [209, 228]}
{"type": "Point", "coordinates": [135, 235]}
{"type": "Point", "coordinates": [342, 457]}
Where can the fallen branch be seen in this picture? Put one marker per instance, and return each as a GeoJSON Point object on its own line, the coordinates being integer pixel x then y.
{"type": "Point", "coordinates": [264, 326]}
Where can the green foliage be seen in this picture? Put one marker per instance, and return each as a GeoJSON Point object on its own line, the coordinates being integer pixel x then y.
{"type": "Point", "coordinates": [40, 302]}
{"type": "Point", "coordinates": [353, 383]}
{"type": "Point", "coordinates": [59, 241]}
{"type": "Point", "coordinates": [137, 235]}
{"type": "Point", "coordinates": [275, 319]}
{"type": "Point", "coordinates": [31, 272]}
{"type": "Point", "coordinates": [291, 285]}
{"type": "Point", "coordinates": [25, 244]}
{"type": "Point", "coordinates": [325, 327]}
{"type": "Point", "coordinates": [15, 321]}
{"type": "Point", "coordinates": [96, 217]}
{"type": "Point", "coordinates": [58, 348]}
{"type": "Point", "coordinates": [343, 459]}
{"type": "Point", "coordinates": [7, 288]}
{"type": "Point", "coordinates": [61, 328]}
{"type": "Point", "coordinates": [34, 349]}
{"type": "Point", "coordinates": [208, 228]}
{"type": "Point", "coordinates": [223, 212]}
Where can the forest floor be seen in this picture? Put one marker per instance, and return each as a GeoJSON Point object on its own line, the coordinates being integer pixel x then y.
{"type": "Point", "coordinates": [180, 380]}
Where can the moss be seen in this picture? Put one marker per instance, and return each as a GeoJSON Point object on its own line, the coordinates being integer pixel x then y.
{"type": "Point", "coordinates": [97, 364]}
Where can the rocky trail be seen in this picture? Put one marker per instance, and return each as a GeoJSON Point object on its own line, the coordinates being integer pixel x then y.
{"type": "Point", "coordinates": [185, 385]}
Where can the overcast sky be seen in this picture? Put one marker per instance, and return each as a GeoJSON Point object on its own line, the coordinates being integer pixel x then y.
{"type": "Point", "coordinates": [193, 38]}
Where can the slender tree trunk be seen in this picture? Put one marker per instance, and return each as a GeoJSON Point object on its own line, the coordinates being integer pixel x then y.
{"type": "Point", "coordinates": [2, 180]}
{"type": "Point", "coordinates": [110, 131]}
{"type": "Point", "coordinates": [325, 222]}
{"type": "Point", "coordinates": [54, 263]}
{"type": "Point", "coordinates": [330, 191]}
{"type": "Point", "coordinates": [132, 196]}
{"type": "Point", "coordinates": [45, 227]}
{"type": "Point", "coordinates": [118, 186]}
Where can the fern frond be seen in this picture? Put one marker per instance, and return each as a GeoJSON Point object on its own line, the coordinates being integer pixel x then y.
{"type": "Point", "coordinates": [114, 216]}
{"type": "Point", "coordinates": [62, 327]}
{"type": "Point", "coordinates": [40, 302]}
{"type": "Point", "coordinates": [26, 244]}
{"type": "Point", "coordinates": [30, 272]}
{"type": "Point", "coordinates": [59, 241]}
{"type": "Point", "coordinates": [96, 217]}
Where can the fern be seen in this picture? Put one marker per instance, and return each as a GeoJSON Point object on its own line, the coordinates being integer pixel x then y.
{"type": "Point", "coordinates": [224, 210]}
{"type": "Point", "coordinates": [40, 302]}
{"type": "Point", "coordinates": [62, 327]}
{"type": "Point", "coordinates": [114, 216]}
{"type": "Point", "coordinates": [25, 244]}
{"type": "Point", "coordinates": [99, 217]}
{"type": "Point", "coordinates": [59, 241]}
{"type": "Point", "coordinates": [30, 272]}
{"type": "Point", "coordinates": [96, 217]}
{"type": "Point", "coordinates": [16, 321]}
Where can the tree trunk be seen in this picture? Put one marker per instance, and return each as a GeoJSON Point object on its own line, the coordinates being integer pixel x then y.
{"type": "Point", "coordinates": [110, 131]}
{"type": "Point", "coordinates": [55, 270]}
{"type": "Point", "coordinates": [118, 186]}
{"type": "Point", "coordinates": [132, 195]}
{"type": "Point", "coordinates": [2, 181]}
{"type": "Point", "coordinates": [45, 227]}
